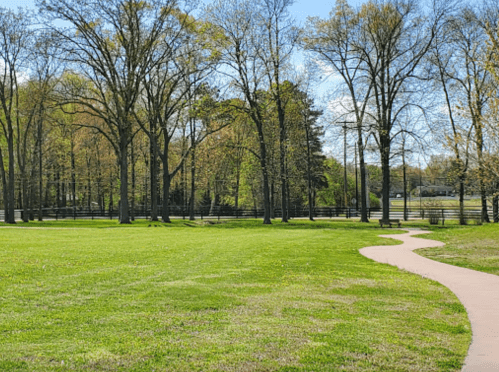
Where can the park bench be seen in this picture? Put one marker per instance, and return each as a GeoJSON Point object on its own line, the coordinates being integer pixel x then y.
{"type": "Point", "coordinates": [389, 222]}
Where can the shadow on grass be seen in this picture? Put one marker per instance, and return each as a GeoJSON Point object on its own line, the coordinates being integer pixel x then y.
{"type": "Point", "coordinates": [238, 223]}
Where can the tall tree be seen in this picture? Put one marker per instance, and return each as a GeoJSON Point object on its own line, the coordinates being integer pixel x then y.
{"type": "Point", "coordinates": [185, 61]}
{"type": "Point", "coordinates": [280, 36]}
{"type": "Point", "coordinates": [16, 39]}
{"type": "Point", "coordinates": [469, 71]}
{"type": "Point", "coordinates": [46, 69]}
{"type": "Point", "coordinates": [334, 41]}
{"type": "Point", "coordinates": [113, 45]}
{"type": "Point", "coordinates": [451, 75]}
{"type": "Point", "coordinates": [240, 49]}
{"type": "Point", "coordinates": [394, 37]}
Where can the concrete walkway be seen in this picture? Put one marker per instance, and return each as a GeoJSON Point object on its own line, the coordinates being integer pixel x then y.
{"type": "Point", "coordinates": [477, 291]}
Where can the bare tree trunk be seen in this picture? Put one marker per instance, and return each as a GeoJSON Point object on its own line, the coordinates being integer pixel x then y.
{"type": "Point", "coordinates": [193, 172]}
{"type": "Point", "coordinates": [64, 196]}
{"type": "Point", "coordinates": [309, 175]}
{"type": "Point", "coordinates": [132, 155]}
{"type": "Point", "coordinates": [73, 176]}
{"type": "Point", "coordinates": [100, 196]}
{"type": "Point", "coordinates": [236, 191]}
{"type": "Point", "coordinates": [154, 176]}
{"type": "Point", "coordinates": [495, 209]}
{"type": "Point", "coordinates": [145, 195]}
{"type": "Point", "coordinates": [58, 189]}
{"type": "Point", "coordinates": [363, 181]}
{"type": "Point", "coordinates": [9, 213]}
{"type": "Point", "coordinates": [265, 176]}
{"type": "Point", "coordinates": [40, 165]}
{"type": "Point", "coordinates": [4, 186]}
{"type": "Point", "coordinates": [272, 200]}
{"type": "Point", "coordinates": [405, 181]}
{"type": "Point", "coordinates": [288, 193]}
{"type": "Point", "coordinates": [89, 181]}
{"type": "Point", "coordinates": [385, 169]}
{"type": "Point", "coordinates": [23, 197]}
{"type": "Point", "coordinates": [462, 220]}
{"type": "Point", "coordinates": [282, 159]}
{"type": "Point", "coordinates": [32, 194]}
{"type": "Point", "coordinates": [495, 206]}
{"type": "Point", "coordinates": [124, 206]}
{"type": "Point", "coordinates": [111, 199]}
{"type": "Point", "coordinates": [477, 120]}
{"type": "Point", "coordinates": [165, 215]}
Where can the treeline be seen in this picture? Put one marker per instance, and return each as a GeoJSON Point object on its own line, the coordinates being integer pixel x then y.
{"type": "Point", "coordinates": [119, 111]}
{"type": "Point", "coordinates": [118, 103]}
{"type": "Point", "coordinates": [420, 73]}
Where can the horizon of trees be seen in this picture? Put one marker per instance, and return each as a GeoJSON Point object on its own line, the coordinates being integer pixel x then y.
{"type": "Point", "coordinates": [157, 104]}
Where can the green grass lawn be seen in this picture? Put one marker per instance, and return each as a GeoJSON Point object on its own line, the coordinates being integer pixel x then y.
{"type": "Point", "coordinates": [236, 296]}
{"type": "Point", "coordinates": [414, 202]}
{"type": "Point", "coordinates": [476, 248]}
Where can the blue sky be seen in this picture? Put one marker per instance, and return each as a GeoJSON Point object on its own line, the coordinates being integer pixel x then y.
{"type": "Point", "coordinates": [301, 9]}
{"type": "Point", "coordinates": [17, 3]}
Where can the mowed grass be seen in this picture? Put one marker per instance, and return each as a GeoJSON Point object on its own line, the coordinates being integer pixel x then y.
{"type": "Point", "coordinates": [237, 296]}
{"type": "Point", "coordinates": [475, 248]}
{"type": "Point", "coordinates": [414, 202]}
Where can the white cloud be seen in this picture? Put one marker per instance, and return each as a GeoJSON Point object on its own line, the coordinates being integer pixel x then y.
{"type": "Point", "coordinates": [22, 76]}
{"type": "Point", "coordinates": [341, 109]}
{"type": "Point", "coordinates": [329, 72]}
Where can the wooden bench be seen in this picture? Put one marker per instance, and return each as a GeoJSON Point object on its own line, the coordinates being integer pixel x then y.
{"type": "Point", "coordinates": [389, 222]}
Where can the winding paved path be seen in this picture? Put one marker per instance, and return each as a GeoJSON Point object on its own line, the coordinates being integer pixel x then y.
{"type": "Point", "coordinates": [477, 291]}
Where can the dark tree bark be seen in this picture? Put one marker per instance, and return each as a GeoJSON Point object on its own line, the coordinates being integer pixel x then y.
{"type": "Point", "coordinates": [154, 172]}
{"type": "Point", "coordinates": [192, 201]}
{"type": "Point", "coordinates": [133, 160]}
{"type": "Point", "coordinates": [309, 174]}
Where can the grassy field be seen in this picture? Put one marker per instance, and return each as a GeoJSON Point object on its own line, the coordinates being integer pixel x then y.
{"type": "Point", "coordinates": [236, 296]}
{"type": "Point", "coordinates": [414, 202]}
{"type": "Point", "coordinates": [476, 248]}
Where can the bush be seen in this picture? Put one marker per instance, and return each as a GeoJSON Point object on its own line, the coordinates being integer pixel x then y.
{"type": "Point", "coordinates": [433, 211]}
{"type": "Point", "coordinates": [374, 201]}
{"type": "Point", "coordinates": [434, 216]}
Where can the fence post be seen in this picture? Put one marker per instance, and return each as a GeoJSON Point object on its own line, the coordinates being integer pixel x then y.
{"type": "Point", "coordinates": [443, 217]}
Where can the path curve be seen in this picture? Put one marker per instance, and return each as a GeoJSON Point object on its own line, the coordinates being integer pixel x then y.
{"type": "Point", "coordinates": [477, 291]}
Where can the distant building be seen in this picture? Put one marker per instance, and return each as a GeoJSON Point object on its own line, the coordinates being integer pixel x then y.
{"type": "Point", "coordinates": [434, 190]}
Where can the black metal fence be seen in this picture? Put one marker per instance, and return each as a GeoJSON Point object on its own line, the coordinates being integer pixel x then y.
{"type": "Point", "coordinates": [223, 212]}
